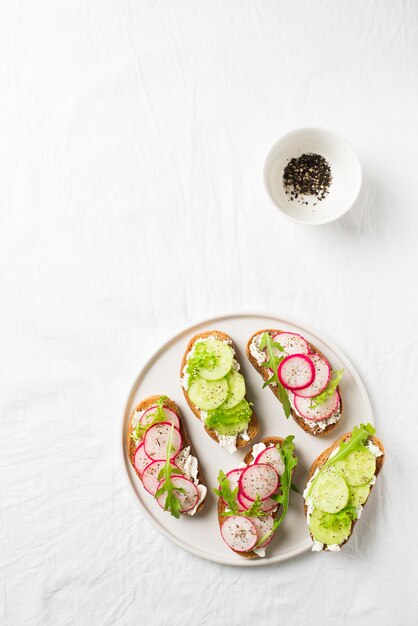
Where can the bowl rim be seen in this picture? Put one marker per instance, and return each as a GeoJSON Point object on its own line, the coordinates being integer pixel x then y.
{"type": "Point", "coordinates": [322, 130]}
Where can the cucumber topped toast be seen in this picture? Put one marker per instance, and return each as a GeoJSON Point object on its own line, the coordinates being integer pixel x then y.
{"type": "Point", "coordinates": [215, 390]}
{"type": "Point", "coordinates": [340, 482]}
{"type": "Point", "coordinates": [254, 498]}
{"type": "Point", "coordinates": [162, 457]}
{"type": "Point", "coordinates": [300, 377]}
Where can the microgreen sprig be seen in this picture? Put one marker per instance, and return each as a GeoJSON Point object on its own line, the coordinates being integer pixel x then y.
{"type": "Point", "coordinates": [273, 363]}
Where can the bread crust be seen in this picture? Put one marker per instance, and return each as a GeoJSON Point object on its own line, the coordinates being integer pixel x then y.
{"type": "Point", "coordinates": [132, 445]}
{"type": "Point", "coordinates": [324, 456]}
{"type": "Point", "coordinates": [316, 431]}
{"type": "Point", "coordinates": [252, 429]}
{"type": "Point", "coordinates": [222, 506]}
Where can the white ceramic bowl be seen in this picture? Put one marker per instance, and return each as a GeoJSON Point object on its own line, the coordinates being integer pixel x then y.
{"type": "Point", "coordinates": [345, 170]}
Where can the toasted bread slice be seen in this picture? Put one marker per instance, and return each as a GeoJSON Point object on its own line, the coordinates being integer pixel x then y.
{"type": "Point", "coordinates": [315, 430]}
{"type": "Point", "coordinates": [252, 429]}
{"type": "Point", "coordinates": [248, 459]}
{"type": "Point", "coordinates": [323, 458]}
{"type": "Point", "coordinates": [132, 445]}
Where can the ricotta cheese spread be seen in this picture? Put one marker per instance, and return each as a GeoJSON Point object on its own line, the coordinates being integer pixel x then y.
{"type": "Point", "coordinates": [229, 442]}
{"type": "Point", "coordinates": [374, 449]}
{"type": "Point", "coordinates": [255, 351]}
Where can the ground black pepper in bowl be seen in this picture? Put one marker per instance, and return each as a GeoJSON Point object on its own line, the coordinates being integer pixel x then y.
{"type": "Point", "coordinates": [307, 175]}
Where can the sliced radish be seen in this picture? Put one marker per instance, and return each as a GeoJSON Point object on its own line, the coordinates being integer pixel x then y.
{"type": "Point", "coordinates": [141, 460]}
{"type": "Point", "coordinates": [244, 504]}
{"type": "Point", "coordinates": [258, 480]}
{"type": "Point", "coordinates": [170, 416]}
{"type": "Point", "coordinates": [321, 412]}
{"type": "Point", "coordinates": [321, 380]}
{"type": "Point", "coordinates": [239, 533]}
{"type": "Point", "coordinates": [188, 496]}
{"type": "Point", "coordinates": [156, 441]}
{"type": "Point", "coordinates": [292, 343]}
{"type": "Point", "coordinates": [263, 525]}
{"type": "Point", "coordinates": [296, 372]}
{"type": "Point", "coordinates": [150, 478]}
{"type": "Point", "coordinates": [272, 457]}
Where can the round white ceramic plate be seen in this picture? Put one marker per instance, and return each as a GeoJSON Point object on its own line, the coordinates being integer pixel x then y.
{"type": "Point", "coordinates": [160, 375]}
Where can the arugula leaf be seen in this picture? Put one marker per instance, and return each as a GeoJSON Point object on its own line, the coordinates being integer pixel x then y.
{"type": "Point", "coordinates": [329, 389]}
{"type": "Point", "coordinates": [172, 503]}
{"type": "Point", "coordinates": [359, 436]}
{"type": "Point", "coordinates": [334, 521]}
{"type": "Point", "coordinates": [273, 363]}
{"type": "Point", "coordinates": [157, 416]}
{"type": "Point", "coordinates": [225, 492]}
{"type": "Point", "coordinates": [201, 357]}
{"type": "Point", "coordinates": [290, 461]}
{"type": "Point", "coordinates": [224, 420]}
{"type": "Point", "coordinates": [255, 509]}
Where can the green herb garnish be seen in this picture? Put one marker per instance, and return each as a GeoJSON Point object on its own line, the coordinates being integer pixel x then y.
{"type": "Point", "coordinates": [172, 503]}
{"type": "Point", "coordinates": [334, 521]}
{"type": "Point", "coordinates": [225, 421]}
{"type": "Point", "coordinates": [200, 357]}
{"type": "Point", "coordinates": [156, 416]}
{"type": "Point", "coordinates": [329, 389]}
{"type": "Point", "coordinates": [290, 461]}
{"type": "Point", "coordinates": [230, 497]}
{"type": "Point", "coordinates": [273, 363]}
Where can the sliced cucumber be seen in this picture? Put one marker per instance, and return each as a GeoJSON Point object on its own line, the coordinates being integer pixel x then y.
{"type": "Point", "coordinates": [224, 357]}
{"type": "Point", "coordinates": [236, 389]}
{"type": "Point", "coordinates": [208, 394]}
{"type": "Point", "coordinates": [359, 495]}
{"type": "Point", "coordinates": [336, 534]}
{"type": "Point", "coordinates": [329, 492]}
{"type": "Point", "coordinates": [358, 468]}
{"type": "Point", "coordinates": [230, 421]}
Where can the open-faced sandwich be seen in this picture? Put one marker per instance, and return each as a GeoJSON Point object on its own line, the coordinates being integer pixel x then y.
{"type": "Point", "coordinates": [300, 377]}
{"type": "Point", "coordinates": [254, 498]}
{"type": "Point", "coordinates": [162, 456]}
{"type": "Point", "coordinates": [340, 482]}
{"type": "Point", "coordinates": [215, 390]}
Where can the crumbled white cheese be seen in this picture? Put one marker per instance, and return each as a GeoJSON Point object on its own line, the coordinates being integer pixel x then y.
{"type": "Point", "coordinates": [359, 511]}
{"type": "Point", "coordinates": [257, 448]}
{"type": "Point", "coordinates": [374, 449]}
{"type": "Point", "coordinates": [255, 351]}
{"type": "Point", "coordinates": [317, 546]}
{"type": "Point", "coordinates": [245, 435]}
{"type": "Point", "coordinates": [137, 416]}
{"type": "Point", "coordinates": [228, 442]}
{"type": "Point", "coordinates": [334, 548]}
{"type": "Point", "coordinates": [260, 551]}
{"type": "Point", "coordinates": [373, 480]}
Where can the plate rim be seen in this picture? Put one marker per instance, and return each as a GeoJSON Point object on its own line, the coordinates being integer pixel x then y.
{"type": "Point", "coordinates": [124, 459]}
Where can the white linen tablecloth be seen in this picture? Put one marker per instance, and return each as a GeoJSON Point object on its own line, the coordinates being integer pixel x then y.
{"type": "Point", "coordinates": [132, 139]}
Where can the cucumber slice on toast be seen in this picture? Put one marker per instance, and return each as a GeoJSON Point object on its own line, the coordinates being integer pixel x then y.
{"type": "Point", "coordinates": [206, 394]}
{"type": "Point", "coordinates": [358, 468]}
{"type": "Point", "coordinates": [224, 357]}
{"type": "Point", "coordinates": [359, 495]}
{"type": "Point", "coordinates": [329, 492]}
{"type": "Point", "coordinates": [330, 533]}
{"type": "Point", "coordinates": [236, 389]}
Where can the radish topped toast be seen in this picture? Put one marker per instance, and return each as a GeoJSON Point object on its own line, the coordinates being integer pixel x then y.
{"type": "Point", "coordinates": [252, 496]}
{"type": "Point", "coordinates": [300, 377]}
{"type": "Point", "coordinates": [340, 482]}
{"type": "Point", "coordinates": [215, 390]}
{"type": "Point", "coordinates": [161, 455]}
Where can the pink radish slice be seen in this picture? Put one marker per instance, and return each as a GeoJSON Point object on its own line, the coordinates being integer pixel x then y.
{"type": "Point", "coordinates": [272, 457]}
{"type": "Point", "coordinates": [267, 505]}
{"type": "Point", "coordinates": [141, 460]}
{"type": "Point", "coordinates": [170, 416]}
{"type": "Point", "coordinates": [321, 380]}
{"type": "Point", "coordinates": [233, 478]}
{"type": "Point", "coordinates": [187, 498]}
{"type": "Point", "coordinates": [296, 372]}
{"type": "Point", "coordinates": [239, 533]}
{"type": "Point", "coordinates": [258, 480]}
{"type": "Point", "coordinates": [150, 478]}
{"type": "Point", "coordinates": [321, 412]}
{"type": "Point", "coordinates": [292, 343]}
{"type": "Point", "coordinates": [156, 440]}
{"type": "Point", "coordinates": [263, 525]}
